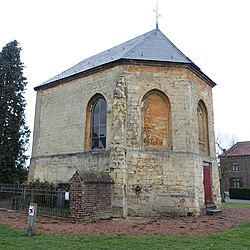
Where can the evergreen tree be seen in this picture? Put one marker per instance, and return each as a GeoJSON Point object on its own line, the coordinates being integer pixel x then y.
{"type": "Point", "coordinates": [14, 133]}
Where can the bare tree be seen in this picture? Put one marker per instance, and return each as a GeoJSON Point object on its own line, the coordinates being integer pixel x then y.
{"type": "Point", "coordinates": [224, 147]}
{"type": "Point", "coordinates": [224, 142]}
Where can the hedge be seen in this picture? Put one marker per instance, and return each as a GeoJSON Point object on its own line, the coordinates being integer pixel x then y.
{"type": "Point", "coordinates": [239, 193]}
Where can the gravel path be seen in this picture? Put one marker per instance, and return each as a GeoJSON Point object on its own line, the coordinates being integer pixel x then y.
{"type": "Point", "coordinates": [189, 226]}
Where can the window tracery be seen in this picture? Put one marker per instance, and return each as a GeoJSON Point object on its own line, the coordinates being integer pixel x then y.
{"type": "Point", "coordinates": [96, 125]}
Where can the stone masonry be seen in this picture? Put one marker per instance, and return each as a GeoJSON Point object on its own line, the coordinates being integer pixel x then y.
{"type": "Point", "coordinates": [157, 176]}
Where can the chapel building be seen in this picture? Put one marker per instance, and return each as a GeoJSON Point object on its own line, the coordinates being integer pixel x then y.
{"type": "Point", "coordinates": [143, 113]}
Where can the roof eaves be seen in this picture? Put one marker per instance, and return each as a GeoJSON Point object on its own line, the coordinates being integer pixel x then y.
{"type": "Point", "coordinates": [196, 70]}
{"type": "Point", "coordinates": [201, 75]}
{"type": "Point", "coordinates": [76, 75]}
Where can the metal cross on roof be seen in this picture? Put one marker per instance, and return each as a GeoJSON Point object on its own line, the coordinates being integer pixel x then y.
{"type": "Point", "coordinates": [157, 15]}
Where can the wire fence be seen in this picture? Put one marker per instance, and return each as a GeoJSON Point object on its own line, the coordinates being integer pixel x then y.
{"type": "Point", "coordinates": [50, 202]}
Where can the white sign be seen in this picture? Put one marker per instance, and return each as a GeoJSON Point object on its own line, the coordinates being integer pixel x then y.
{"type": "Point", "coordinates": [31, 210]}
{"type": "Point", "coordinates": [66, 196]}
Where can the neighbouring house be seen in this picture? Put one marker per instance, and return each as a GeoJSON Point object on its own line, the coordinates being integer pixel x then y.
{"type": "Point", "coordinates": [235, 166]}
{"type": "Point", "coordinates": [141, 112]}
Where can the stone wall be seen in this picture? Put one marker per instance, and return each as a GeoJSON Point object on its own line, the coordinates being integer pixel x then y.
{"type": "Point", "coordinates": [60, 168]}
{"type": "Point", "coordinates": [59, 130]}
{"type": "Point", "coordinates": [61, 113]}
{"type": "Point", "coordinates": [148, 180]}
{"type": "Point", "coordinates": [170, 178]}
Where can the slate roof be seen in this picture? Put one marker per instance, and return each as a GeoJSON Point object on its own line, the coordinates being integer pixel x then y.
{"type": "Point", "coordinates": [151, 46]}
{"type": "Point", "coordinates": [239, 149]}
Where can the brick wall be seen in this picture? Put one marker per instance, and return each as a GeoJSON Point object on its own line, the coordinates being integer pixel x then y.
{"type": "Point", "coordinates": [90, 196]}
{"type": "Point", "coordinates": [242, 172]}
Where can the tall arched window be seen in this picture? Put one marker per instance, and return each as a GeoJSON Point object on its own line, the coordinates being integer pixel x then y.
{"type": "Point", "coordinates": [156, 120]}
{"type": "Point", "coordinates": [96, 123]}
{"type": "Point", "coordinates": [202, 127]}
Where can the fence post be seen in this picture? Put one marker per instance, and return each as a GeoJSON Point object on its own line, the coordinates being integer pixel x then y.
{"type": "Point", "coordinates": [31, 218]}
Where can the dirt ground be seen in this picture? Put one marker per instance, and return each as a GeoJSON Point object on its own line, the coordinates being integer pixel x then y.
{"type": "Point", "coordinates": [189, 226]}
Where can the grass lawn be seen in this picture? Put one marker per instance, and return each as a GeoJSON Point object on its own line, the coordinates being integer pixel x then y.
{"type": "Point", "coordinates": [231, 204]}
{"type": "Point", "coordinates": [236, 238]}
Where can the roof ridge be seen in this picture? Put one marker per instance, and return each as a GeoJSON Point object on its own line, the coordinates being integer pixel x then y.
{"type": "Point", "coordinates": [179, 51]}
{"type": "Point", "coordinates": [245, 142]}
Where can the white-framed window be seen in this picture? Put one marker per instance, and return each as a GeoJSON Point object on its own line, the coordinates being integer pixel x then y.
{"type": "Point", "coordinates": [235, 166]}
{"type": "Point", "coordinates": [236, 182]}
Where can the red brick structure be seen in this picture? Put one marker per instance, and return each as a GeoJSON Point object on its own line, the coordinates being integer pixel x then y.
{"type": "Point", "coordinates": [90, 196]}
{"type": "Point", "coordinates": [235, 166]}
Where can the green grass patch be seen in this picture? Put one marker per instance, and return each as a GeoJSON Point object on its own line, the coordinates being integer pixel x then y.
{"type": "Point", "coordinates": [236, 238]}
{"type": "Point", "coordinates": [232, 204]}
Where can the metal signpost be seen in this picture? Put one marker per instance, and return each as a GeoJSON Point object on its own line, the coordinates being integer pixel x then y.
{"type": "Point", "coordinates": [31, 218]}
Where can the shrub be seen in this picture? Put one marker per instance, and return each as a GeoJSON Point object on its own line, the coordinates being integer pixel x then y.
{"type": "Point", "coordinates": [37, 184]}
{"type": "Point", "coordinates": [239, 193]}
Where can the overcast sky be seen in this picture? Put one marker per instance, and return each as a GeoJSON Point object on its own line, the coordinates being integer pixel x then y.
{"type": "Point", "coordinates": [214, 34]}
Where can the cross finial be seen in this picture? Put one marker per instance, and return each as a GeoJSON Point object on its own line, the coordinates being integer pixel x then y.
{"type": "Point", "coordinates": [157, 15]}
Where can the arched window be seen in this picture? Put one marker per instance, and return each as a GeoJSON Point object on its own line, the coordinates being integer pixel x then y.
{"type": "Point", "coordinates": [202, 127]}
{"type": "Point", "coordinates": [96, 123]}
{"type": "Point", "coordinates": [156, 120]}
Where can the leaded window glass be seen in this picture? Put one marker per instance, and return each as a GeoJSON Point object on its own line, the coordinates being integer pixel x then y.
{"type": "Point", "coordinates": [98, 124]}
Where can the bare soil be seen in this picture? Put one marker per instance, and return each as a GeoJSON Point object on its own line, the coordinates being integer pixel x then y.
{"type": "Point", "coordinates": [183, 226]}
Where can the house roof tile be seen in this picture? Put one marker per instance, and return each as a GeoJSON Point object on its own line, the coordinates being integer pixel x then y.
{"type": "Point", "coordinates": [239, 149]}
